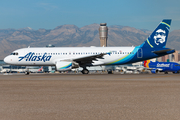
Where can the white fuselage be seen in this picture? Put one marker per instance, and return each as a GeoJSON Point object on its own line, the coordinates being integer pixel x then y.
{"type": "Point", "coordinates": [66, 53]}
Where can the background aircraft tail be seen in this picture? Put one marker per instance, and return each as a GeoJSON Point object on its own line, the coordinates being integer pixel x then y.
{"type": "Point", "coordinates": [159, 36]}
{"type": "Point", "coordinates": [146, 63]}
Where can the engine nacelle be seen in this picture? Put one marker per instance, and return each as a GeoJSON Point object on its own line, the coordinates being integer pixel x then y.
{"type": "Point", "coordinates": [154, 71]}
{"type": "Point", "coordinates": [65, 66]}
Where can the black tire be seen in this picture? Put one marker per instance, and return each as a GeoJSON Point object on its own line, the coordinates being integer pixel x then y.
{"type": "Point", "coordinates": [85, 71]}
{"type": "Point", "coordinates": [27, 73]}
{"type": "Point", "coordinates": [109, 71]}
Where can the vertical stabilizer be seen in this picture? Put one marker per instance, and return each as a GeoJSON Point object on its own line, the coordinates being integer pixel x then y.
{"type": "Point", "coordinates": [146, 63]}
{"type": "Point", "coordinates": [159, 36]}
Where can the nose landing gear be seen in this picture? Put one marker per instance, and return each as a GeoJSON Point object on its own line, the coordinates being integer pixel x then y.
{"type": "Point", "coordinates": [26, 73]}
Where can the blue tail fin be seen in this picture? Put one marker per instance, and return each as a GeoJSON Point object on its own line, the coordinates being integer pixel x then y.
{"type": "Point", "coordinates": [159, 36]}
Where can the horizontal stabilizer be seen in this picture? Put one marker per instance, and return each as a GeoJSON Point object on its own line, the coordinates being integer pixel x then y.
{"type": "Point", "coordinates": [164, 51]}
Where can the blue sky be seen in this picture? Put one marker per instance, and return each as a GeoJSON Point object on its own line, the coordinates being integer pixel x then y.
{"type": "Point", "coordinates": [48, 14]}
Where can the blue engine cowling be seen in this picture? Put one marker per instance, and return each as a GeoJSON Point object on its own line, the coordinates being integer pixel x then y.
{"type": "Point", "coordinates": [154, 71]}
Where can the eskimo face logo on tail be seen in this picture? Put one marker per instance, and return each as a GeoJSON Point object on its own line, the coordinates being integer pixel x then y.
{"type": "Point", "coordinates": [160, 36]}
{"type": "Point", "coordinates": [32, 57]}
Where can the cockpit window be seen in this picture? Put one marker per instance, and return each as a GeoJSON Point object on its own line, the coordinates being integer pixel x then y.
{"type": "Point", "coordinates": [14, 53]}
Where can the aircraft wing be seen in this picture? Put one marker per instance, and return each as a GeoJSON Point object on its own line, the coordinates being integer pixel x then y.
{"type": "Point", "coordinates": [87, 60]}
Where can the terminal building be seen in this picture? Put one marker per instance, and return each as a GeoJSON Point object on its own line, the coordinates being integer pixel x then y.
{"type": "Point", "coordinates": [175, 57]}
{"type": "Point", "coordinates": [5, 68]}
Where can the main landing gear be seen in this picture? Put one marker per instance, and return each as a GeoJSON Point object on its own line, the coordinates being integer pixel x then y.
{"type": "Point", "coordinates": [26, 73]}
{"type": "Point", "coordinates": [85, 71]}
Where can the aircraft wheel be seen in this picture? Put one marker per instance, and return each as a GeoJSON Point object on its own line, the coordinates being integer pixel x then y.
{"type": "Point", "coordinates": [85, 71]}
{"type": "Point", "coordinates": [27, 73]}
{"type": "Point", "coordinates": [109, 71]}
{"type": "Point", "coordinates": [174, 72]}
{"type": "Point", "coordinates": [165, 72]}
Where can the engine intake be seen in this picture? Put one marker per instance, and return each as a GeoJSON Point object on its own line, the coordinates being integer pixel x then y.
{"type": "Point", "coordinates": [154, 71]}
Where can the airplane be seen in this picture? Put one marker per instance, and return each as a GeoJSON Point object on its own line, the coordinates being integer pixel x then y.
{"type": "Point", "coordinates": [165, 67]}
{"type": "Point", "coordinates": [40, 69]}
{"type": "Point", "coordinates": [67, 58]}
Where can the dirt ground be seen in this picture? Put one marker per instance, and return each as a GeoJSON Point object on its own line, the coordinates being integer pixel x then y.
{"type": "Point", "coordinates": [90, 97]}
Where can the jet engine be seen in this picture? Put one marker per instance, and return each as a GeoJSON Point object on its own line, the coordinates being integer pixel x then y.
{"type": "Point", "coordinates": [154, 71]}
{"type": "Point", "coordinates": [65, 66]}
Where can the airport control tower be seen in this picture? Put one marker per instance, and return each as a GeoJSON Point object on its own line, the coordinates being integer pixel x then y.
{"type": "Point", "coordinates": [103, 34]}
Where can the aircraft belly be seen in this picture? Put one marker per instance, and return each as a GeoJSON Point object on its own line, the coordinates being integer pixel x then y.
{"type": "Point", "coordinates": [36, 63]}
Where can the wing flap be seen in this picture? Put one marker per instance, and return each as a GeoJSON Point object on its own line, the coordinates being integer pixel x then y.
{"type": "Point", "coordinates": [90, 58]}
{"type": "Point", "coordinates": [85, 60]}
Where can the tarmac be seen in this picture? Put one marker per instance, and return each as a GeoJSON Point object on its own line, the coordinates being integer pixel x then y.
{"type": "Point", "coordinates": [90, 97]}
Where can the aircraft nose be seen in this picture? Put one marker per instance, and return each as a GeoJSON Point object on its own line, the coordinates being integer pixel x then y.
{"type": "Point", "coordinates": [7, 60]}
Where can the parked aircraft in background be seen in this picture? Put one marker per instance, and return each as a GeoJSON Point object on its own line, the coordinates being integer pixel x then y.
{"type": "Point", "coordinates": [165, 67]}
{"type": "Point", "coordinates": [67, 58]}
{"type": "Point", "coordinates": [40, 69]}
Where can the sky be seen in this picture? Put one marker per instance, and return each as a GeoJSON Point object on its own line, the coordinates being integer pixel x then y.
{"type": "Point", "coordinates": [48, 14]}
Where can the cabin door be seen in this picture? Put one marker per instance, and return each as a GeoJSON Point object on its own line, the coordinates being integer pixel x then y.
{"type": "Point", "coordinates": [140, 53]}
